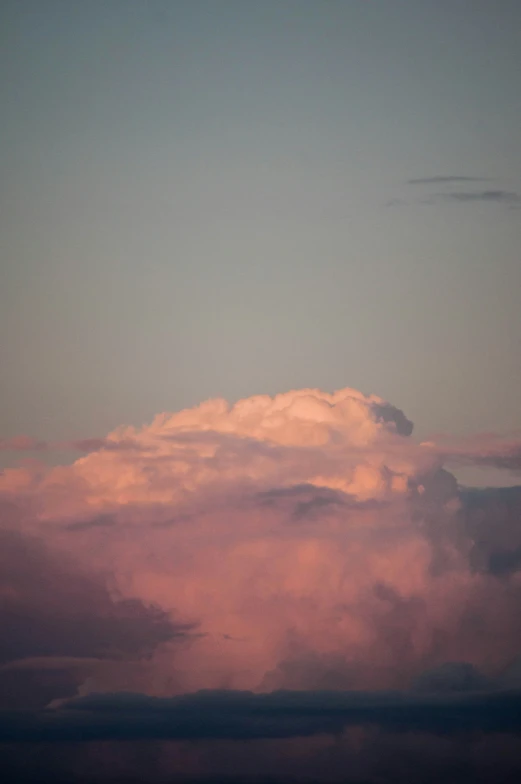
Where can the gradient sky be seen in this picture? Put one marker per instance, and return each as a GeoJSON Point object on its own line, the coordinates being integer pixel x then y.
{"type": "Point", "coordinates": [207, 198]}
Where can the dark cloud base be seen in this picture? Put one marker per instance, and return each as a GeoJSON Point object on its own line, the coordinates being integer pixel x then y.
{"type": "Point", "coordinates": [231, 715]}
{"type": "Point", "coordinates": [452, 734]}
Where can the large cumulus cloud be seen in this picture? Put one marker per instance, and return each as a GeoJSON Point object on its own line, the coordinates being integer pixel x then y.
{"type": "Point", "coordinates": [304, 541]}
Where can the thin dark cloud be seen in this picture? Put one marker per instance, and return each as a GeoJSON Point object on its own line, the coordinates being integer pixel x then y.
{"type": "Point", "coordinates": [302, 498]}
{"type": "Point", "coordinates": [447, 179]}
{"type": "Point", "coordinates": [498, 196]}
{"type": "Point", "coordinates": [511, 199]}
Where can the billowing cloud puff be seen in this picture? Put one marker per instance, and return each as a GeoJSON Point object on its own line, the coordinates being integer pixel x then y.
{"type": "Point", "coordinates": [343, 441]}
{"type": "Point", "coordinates": [305, 541]}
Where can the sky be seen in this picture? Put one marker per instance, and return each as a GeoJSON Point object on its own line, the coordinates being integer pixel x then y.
{"type": "Point", "coordinates": [260, 432]}
{"type": "Point", "coordinates": [206, 199]}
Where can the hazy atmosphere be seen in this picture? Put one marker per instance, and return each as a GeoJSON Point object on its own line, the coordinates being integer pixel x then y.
{"type": "Point", "coordinates": [260, 413]}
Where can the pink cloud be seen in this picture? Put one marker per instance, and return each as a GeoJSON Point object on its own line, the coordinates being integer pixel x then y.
{"type": "Point", "coordinates": [306, 537]}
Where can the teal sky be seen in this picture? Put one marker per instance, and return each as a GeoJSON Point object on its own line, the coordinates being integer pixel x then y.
{"type": "Point", "coordinates": [213, 197]}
